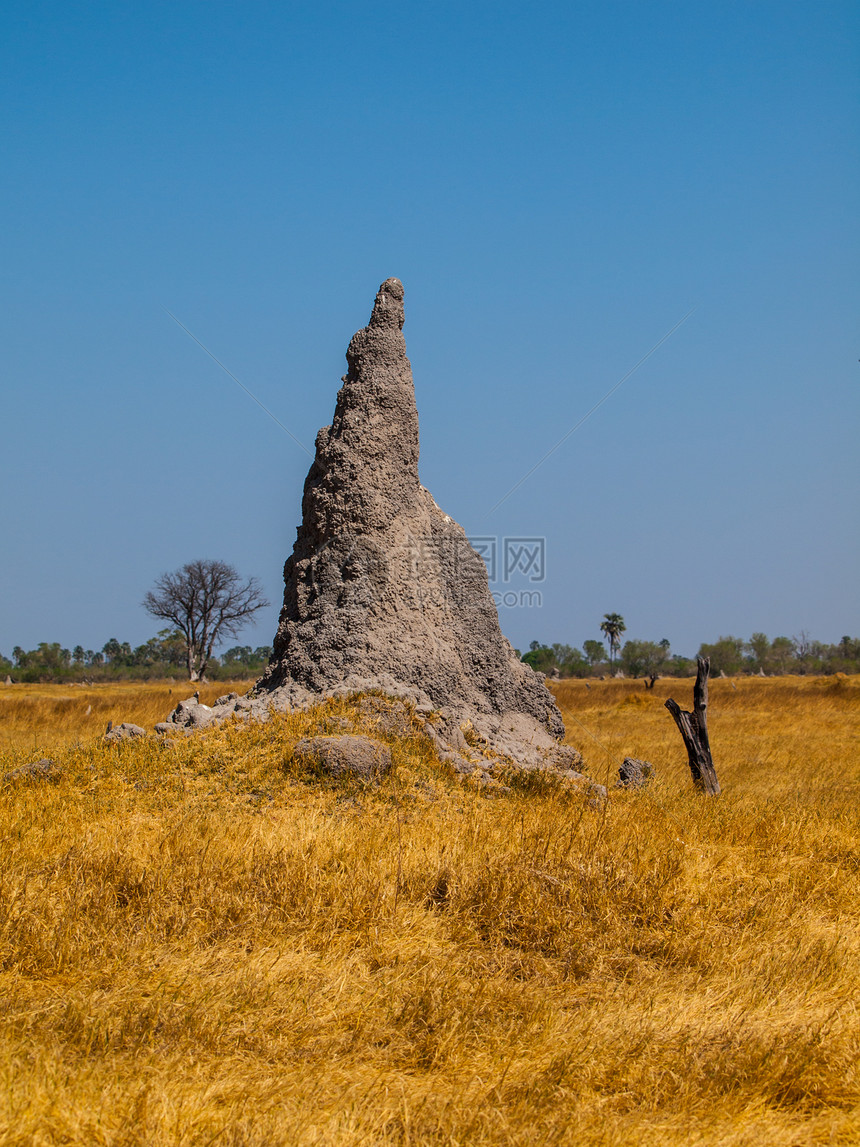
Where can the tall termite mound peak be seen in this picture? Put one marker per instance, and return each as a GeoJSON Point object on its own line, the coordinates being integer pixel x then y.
{"type": "Point", "coordinates": [366, 466]}
{"type": "Point", "coordinates": [382, 587]}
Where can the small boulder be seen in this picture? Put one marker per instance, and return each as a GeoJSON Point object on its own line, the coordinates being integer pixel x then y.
{"type": "Point", "coordinates": [43, 770]}
{"type": "Point", "coordinates": [634, 774]}
{"type": "Point", "coordinates": [344, 756]}
{"type": "Point", "coordinates": [124, 732]}
{"type": "Point", "coordinates": [191, 714]}
{"type": "Point", "coordinates": [566, 757]}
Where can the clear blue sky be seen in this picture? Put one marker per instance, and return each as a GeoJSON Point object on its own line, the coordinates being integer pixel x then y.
{"type": "Point", "coordinates": [556, 184]}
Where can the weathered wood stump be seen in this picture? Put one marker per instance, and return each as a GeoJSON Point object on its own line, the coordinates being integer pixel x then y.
{"type": "Point", "coordinates": [693, 727]}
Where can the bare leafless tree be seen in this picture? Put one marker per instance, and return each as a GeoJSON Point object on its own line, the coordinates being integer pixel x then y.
{"type": "Point", "coordinates": [208, 601]}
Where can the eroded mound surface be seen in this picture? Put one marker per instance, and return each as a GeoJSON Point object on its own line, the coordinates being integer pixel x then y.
{"type": "Point", "coordinates": [484, 745]}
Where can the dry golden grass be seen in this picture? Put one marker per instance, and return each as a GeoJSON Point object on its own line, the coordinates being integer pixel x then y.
{"type": "Point", "coordinates": [40, 718]}
{"type": "Point", "coordinates": [199, 945]}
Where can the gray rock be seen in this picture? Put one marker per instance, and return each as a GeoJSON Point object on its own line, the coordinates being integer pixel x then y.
{"type": "Point", "coordinates": [382, 583]}
{"type": "Point", "coordinates": [348, 755]}
{"type": "Point", "coordinates": [123, 732]}
{"type": "Point", "coordinates": [634, 774]}
{"type": "Point", "coordinates": [126, 731]}
{"type": "Point", "coordinates": [43, 770]}
{"type": "Point", "coordinates": [190, 714]}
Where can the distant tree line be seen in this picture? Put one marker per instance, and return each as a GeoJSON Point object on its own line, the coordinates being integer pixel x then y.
{"type": "Point", "coordinates": [730, 655]}
{"type": "Point", "coordinates": [205, 602]}
{"type": "Point", "coordinates": [163, 656]}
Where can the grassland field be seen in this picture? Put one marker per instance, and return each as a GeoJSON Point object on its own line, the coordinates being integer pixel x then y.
{"type": "Point", "coordinates": [201, 944]}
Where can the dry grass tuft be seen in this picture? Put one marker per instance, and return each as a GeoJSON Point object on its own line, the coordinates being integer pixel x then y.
{"type": "Point", "coordinates": [40, 718]}
{"type": "Point", "coordinates": [201, 944]}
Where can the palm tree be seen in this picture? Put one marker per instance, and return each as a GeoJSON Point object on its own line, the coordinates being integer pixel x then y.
{"type": "Point", "coordinates": [612, 627]}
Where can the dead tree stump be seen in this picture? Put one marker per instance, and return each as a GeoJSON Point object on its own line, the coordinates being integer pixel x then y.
{"type": "Point", "coordinates": [693, 727]}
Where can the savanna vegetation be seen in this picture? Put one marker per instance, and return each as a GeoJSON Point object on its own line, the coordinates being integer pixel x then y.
{"type": "Point", "coordinates": [201, 944]}
{"type": "Point", "coordinates": [164, 657]}
{"type": "Point", "coordinates": [732, 656]}
{"type": "Point", "coordinates": [206, 603]}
